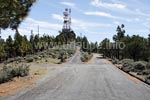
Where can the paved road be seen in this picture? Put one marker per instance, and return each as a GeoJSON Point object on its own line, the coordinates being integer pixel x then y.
{"type": "Point", "coordinates": [96, 81]}
{"type": "Point", "coordinates": [76, 58]}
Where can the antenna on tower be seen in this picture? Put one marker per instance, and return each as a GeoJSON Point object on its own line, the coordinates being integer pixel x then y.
{"type": "Point", "coordinates": [67, 20]}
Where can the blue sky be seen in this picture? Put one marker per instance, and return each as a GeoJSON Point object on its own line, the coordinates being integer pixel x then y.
{"type": "Point", "coordinates": [96, 19]}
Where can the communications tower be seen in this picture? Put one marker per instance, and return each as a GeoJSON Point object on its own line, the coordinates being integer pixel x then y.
{"type": "Point", "coordinates": [67, 20]}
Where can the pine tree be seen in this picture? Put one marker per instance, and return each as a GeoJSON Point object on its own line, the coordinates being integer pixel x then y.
{"type": "Point", "coordinates": [2, 50]}
{"type": "Point", "coordinates": [10, 46]}
{"type": "Point", "coordinates": [13, 12]}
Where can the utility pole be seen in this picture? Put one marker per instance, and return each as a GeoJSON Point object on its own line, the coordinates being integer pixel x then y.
{"type": "Point", "coordinates": [81, 35]}
{"type": "Point", "coordinates": [38, 30]}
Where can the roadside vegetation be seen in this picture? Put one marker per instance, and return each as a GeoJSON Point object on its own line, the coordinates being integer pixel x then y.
{"type": "Point", "coordinates": [139, 69]}
{"type": "Point", "coordinates": [19, 66]}
{"type": "Point", "coordinates": [125, 46]}
{"type": "Point", "coordinates": [129, 53]}
{"type": "Point", "coordinates": [86, 56]}
{"type": "Point", "coordinates": [7, 73]}
{"type": "Point", "coordinates": [22, 50]}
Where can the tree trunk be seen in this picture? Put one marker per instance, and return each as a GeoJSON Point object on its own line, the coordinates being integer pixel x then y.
{"type": "Point", "coordinates": [17, 31]}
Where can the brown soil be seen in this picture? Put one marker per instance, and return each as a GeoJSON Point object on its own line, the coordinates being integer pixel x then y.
{"type": "Point", "coordinates": [131, 78]}
{"type": "Point", "coordinates": [90, 60]}
{"type": "Point", "coordinates": [17, 84]}
{"type": "Point", "coordinates": [20, 83]}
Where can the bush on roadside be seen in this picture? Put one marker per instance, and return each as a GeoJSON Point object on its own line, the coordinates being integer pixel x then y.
{"type": "Point", "coordinates": [139, 66]}
{"type": "Point", "coordinates": [145, 72]}
{"type": "Point", "coordinates": [127, 62]}
{"type": "Point", "coordinates": [18, 59]}
{"type": "Point", "coordinates": [4, 77]}
{"type": "Point", "coordinates": [36, 57]}
{"type": "Point", "coordinates": [148, 77]}
{"type": "Point", "coordinates": [86, 56]}
{"type": "Point", "coordinates": [127, 65]}
{"type": "Point", "coordinates": [10, 60]}
{"type": "Point", "coordinates": [9, 72]}
{"type": "Point", "coordinates": [29, 59]}
{"type": "Point", "coordinates": [115, 61]}
{"type": "Point", "coordinates": [70, 52]}
{"type": "Point", "coordinates": [54, 56]}
{"type": "Point", "coordinates": [109, 59]}
{"type": "Point", "coordinates": [148, 65]}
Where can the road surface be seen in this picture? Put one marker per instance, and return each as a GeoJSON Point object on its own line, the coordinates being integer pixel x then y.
{"type": "Point", "coordinates": [98, 80]}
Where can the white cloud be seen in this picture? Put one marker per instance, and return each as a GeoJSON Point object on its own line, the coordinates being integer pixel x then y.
{"type": "Point", "coordinates": [122, 8]}
{"type": "Point", "coordinates": [58, 17]}
{"type": "Point", "coordinates": [32, 24]}
{"type": "Point", "coordinates": [146, 24]}
{"type": "Point", "coordinates": [137, 19]}
{"type": "Point", "coordinates": [102, 14]}
{"type": "Point", "coordinates": [69, 4]}
{"type": "Point", "coordinates": [98, 13]}
{"type": "Point", "coordinates": [81, 23]}
{"type": "Point", "coordinates": [140, 31]}
{"type": "Point", "coordinates": [148, 19]}
{"type": "Point", "coordinates": [139, 12]}
{"type": "Point", "coordinates": [108, 15]}
{"type": "Point", "coordinates": [116, 22]}
{"type": "Point", "coordinates": [99, 3]}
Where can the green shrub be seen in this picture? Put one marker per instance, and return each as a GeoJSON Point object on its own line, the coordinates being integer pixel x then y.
{"type": "Point", "coordinates": [70, 52]}
{"type": "Point", "coordinates": [23, 70]}
{"type": "Point", "coordinates": [4, 77]}
{"type": "Point", "coordinates": [139, 66]}
{"type": "Point", "coordinates": [128, 68]}
{"type": "Point", "coordinates": [85, 56]}
{"type": "Point", "coordinates": [127, 65]}
{"type": "Point", "coordinates": [115, 61]}
{"type": "Point", "coordinates": [54, 55]}
{"type": "Point", "coordinates": [148, 65]}
{"type": "Point", "coordinates": [29, 59]}
{"type": "Point", "coordinates": [83, 59]}
{"type": "Point", "coordinates": [127, 61]}
{"type": "Point", "coordinates": [46, 60]}
{"type": "Point", "coordinates": [36, 57]}
{"type": "Point", "coordinates": [18, 59]}
{"type": "Point", "coordinates": [148, 77]}
{"type": "Point", "coordinates": [10, 60]}
{"type": "Point", "coordinates": [109, 59]}
{"type": "Point", "coordinates": [144, 62]}
{"type": "Point", "coordinates": [9, 72]}
{"type": "Point", "coordinates": [146, 72]}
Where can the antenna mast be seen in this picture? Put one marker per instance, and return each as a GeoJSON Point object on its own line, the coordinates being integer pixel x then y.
{"type": "Point", "coordinates": [38, 30]}
{"type": "Point", "coordinates": [67, 20]}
